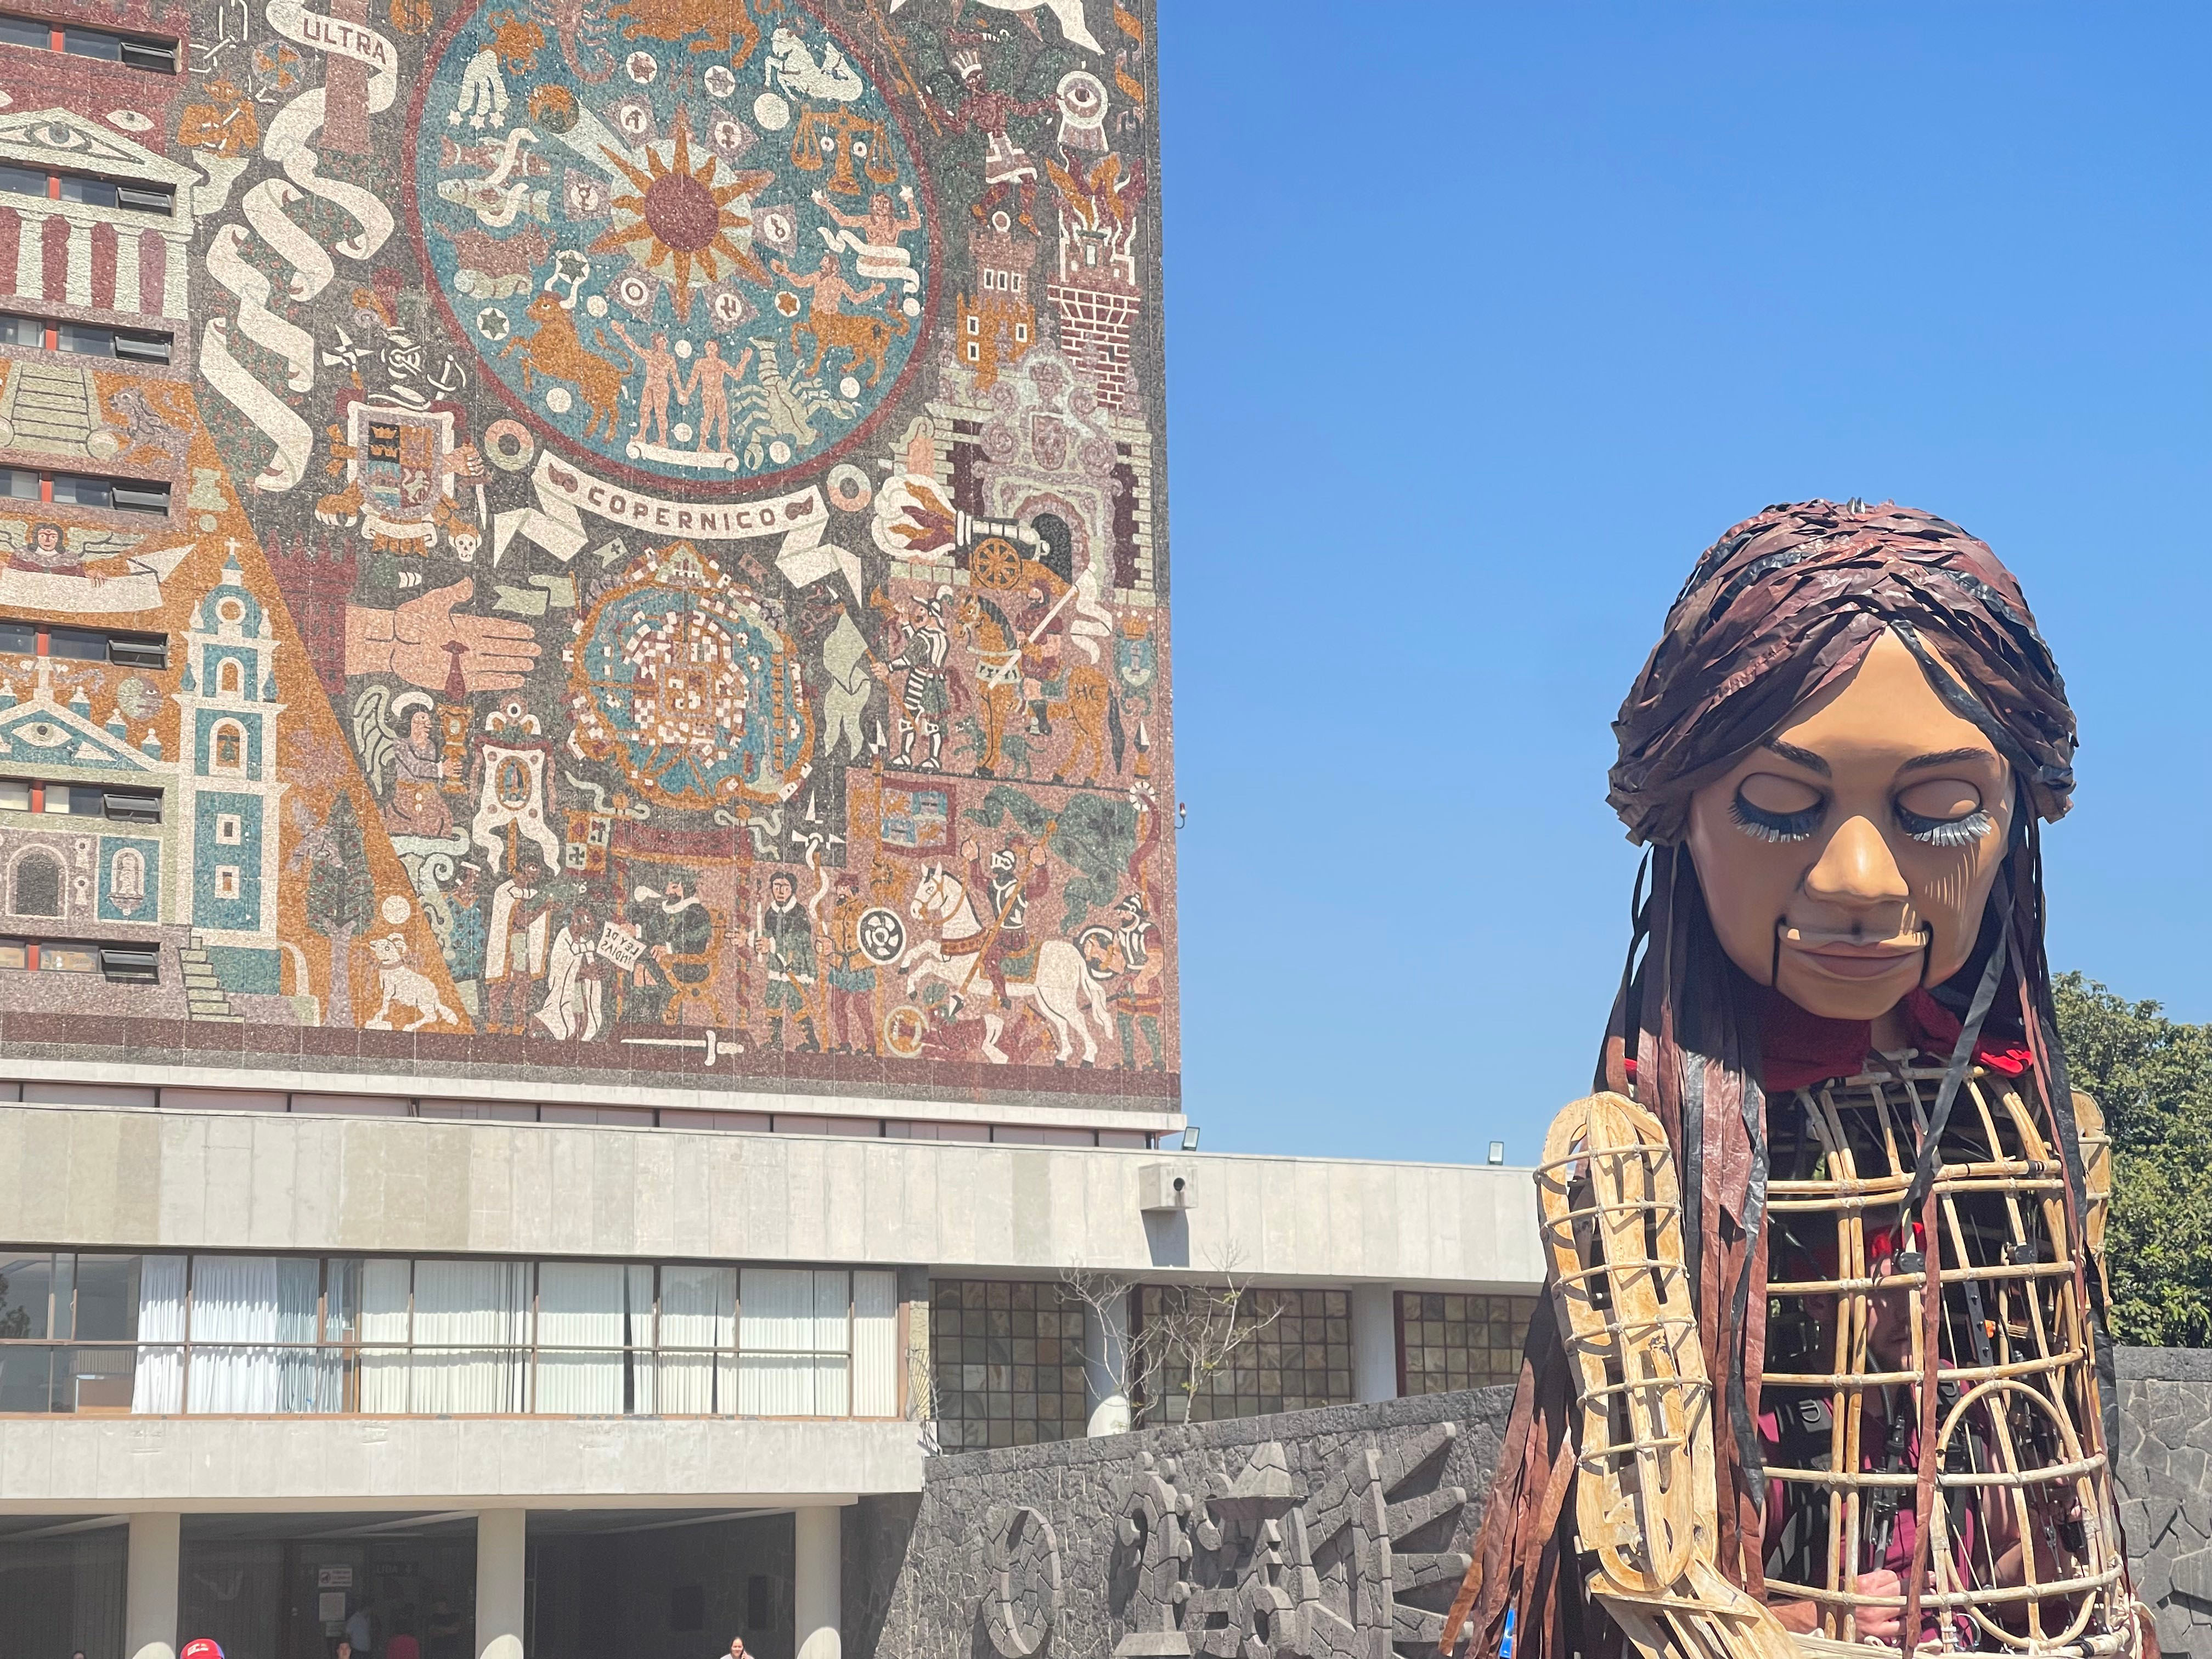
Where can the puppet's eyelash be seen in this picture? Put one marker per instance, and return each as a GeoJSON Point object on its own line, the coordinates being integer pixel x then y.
{"type": "Point", "coordinates": [1946, 832]}
{"type": "Point", "coordinates": [1762, 825]}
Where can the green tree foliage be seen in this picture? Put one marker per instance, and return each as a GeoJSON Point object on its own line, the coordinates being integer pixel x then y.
{"type": "Point", "coordinates": [2153, 1075]}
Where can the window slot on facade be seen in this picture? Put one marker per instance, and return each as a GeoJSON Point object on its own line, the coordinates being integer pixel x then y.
{"type": "Point", "coordinates": [150, 53]}
{"type": "Point", "coordinates": [131, 964]}
{"type": "Point", "coordinates": [28, 639]}
{"type": "Point", "coordinates": [85, 489]}
{"type": "Point", "coordinates": [80, 800]}
{"type": "Point", "coordinates": [85, 339]}
{"type": "Point", "coordinates": [131, 196]}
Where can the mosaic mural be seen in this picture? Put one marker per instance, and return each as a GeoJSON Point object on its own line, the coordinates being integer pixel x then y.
{"type": "Point", "coordinates": [621, 538]}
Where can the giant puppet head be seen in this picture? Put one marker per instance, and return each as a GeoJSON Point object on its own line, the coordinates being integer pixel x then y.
{"type": "Point", "coordinates": [1850, 727]}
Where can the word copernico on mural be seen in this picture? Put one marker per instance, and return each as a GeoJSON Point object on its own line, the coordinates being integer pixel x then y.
{"type": "Point", "coordinates": [660, 572]}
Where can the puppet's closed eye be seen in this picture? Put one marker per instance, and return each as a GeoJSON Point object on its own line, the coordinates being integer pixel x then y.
{"type": "Point", "coordinates": [1943, 812]}
{"type": "Point", "coordinates": [1767, 807]}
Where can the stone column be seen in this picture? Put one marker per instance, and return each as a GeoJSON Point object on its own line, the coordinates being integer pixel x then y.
{"type": "Point", "coordinates": [817, 1581]}
{"type": "Point", "coordinates": [1374, 1342]}
{"type": "Point", "coordinates": [150, 1587]}
{"type": "Point", "coordinates": [1105, 1344]}
{"type": "Point", "coordinates": [501, 1537]}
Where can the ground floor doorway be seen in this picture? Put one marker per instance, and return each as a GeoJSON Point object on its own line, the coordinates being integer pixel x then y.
{"type": "Point", "coordinates": [647, 1584]}
{"type": "Point", "coordinates": [278, 1587]}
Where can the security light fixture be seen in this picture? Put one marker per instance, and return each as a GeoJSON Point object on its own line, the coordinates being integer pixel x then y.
{"type": "Point", "coordinates": [1498, 1151]}
{"type": "Point", "coordinates": [1190, 1137]}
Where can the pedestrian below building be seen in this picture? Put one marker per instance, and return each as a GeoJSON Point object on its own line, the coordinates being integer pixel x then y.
{"type": "Point", "coordinates": [447, 1631]}
{"type": "Point", "coordinates": [402, 1643]}
{"type": "Point", "coordinates": [360, 1633]}
{"type": "Point", "coordinates": [737, 1649]}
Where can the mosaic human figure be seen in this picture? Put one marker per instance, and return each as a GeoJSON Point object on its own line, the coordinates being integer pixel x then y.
{"type": "Point", "coordinates": [662, 378]}
{"type": "Point", "coordinates": [709, 380]}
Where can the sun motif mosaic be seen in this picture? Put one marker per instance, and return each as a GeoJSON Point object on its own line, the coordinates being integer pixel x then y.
{"type": "Point", "coordinates": [690, 275]}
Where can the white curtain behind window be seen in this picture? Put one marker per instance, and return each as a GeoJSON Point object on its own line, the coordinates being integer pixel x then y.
{"type": "Point", "coordinates": [471, 1337]}
{"type": "Point", "coordinates": [791, 1337]}
{"type": "Point", "coordinates": [580, 1306]}
{"type": "Point", "coordinates": [159, 1386]}
{"type": "Point", "coordinates": [384, 1287]}
{"type": "Point", "coordinates": [698, 1311]}
{"type": "Point", "coordinates": [875, 1344]}
{"type": "Point", "coordinates": [243, 1306]}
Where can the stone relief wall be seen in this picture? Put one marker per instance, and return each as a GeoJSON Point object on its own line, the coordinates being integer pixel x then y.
{"type": "Point", "coordinates": [1315, 1532]}
{"type": "Point", "coordinates": [2164, 1472]}
{"type": "Point", "coordinates": [653, 518]}
{"type": "Point", "coordinates": [1310, 1532]}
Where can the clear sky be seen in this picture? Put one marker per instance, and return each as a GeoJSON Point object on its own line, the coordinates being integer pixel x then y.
{"type": "Point", "coordinates": [1483, 319]}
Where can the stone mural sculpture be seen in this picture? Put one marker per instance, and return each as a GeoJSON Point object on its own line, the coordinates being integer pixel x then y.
{"type": "Point", "coordinates": [638, 524]}
{"type": "Point", "coordinates": [1337, 1532]}
{"type": "Point", "coordinates": [1820, 1366]}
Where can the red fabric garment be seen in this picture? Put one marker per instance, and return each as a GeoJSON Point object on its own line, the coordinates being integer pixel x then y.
{"type": "Point", "coordinates": [1798, 1049]}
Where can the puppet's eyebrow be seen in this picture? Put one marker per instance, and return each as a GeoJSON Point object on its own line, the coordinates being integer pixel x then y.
{"type": "Point", "coordinates": [1946, 757]}
{"type": "Point", "coordinates": [1804, 758]}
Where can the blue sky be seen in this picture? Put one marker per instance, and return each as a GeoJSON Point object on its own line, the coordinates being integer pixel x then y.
{"type": "Point", "coordinates": [1482, 321]}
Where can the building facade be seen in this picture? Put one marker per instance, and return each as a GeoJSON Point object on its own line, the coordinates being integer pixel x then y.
{"type": "Point", "coordinates": [587, 914]}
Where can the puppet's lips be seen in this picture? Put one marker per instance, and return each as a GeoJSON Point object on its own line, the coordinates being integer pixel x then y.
{"type": "Point", "coordinates": [1861, 963]}
{"type": "Point", "coordinates": [1848, 957]}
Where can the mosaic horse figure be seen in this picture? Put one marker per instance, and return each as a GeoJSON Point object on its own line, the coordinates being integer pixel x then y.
{"type": "Point", "coordinates": [1058, 986]}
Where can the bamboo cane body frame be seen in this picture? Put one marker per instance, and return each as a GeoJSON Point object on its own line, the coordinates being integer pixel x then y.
{"type": "Point", "coordinates": [1645, 1502]}
{"type": "Point", "coordinates": [2018, 1445]}
{"type": "Point", "coordinates": [2031, 1563]}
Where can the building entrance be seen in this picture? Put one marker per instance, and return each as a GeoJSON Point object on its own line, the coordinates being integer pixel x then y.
{"type": "Point", "coordinates": [289, 1587]}
{"type": "Point", "coordinates": [647, 1584]}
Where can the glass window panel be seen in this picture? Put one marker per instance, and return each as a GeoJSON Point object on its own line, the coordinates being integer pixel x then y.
{"type": "Point", "coordinates": [93, 43]}
{"type": "Point", "coordinates": [18, 483]}
{"type": "Point", "coordinates": [27, 1378]}
{"type": "Point", "coordinates": [107, 1298]}
{"type": "Point", "coordinates": [579, 1308]}
{"type": "Point", "coordinates": [383, 1331]}
{"type": "Point", "coordinates": [15, 953]}
{"type": "Point", "coordinates": [86, 340]}
{"type": "Point", "coordinates": [93, 192]}
{"type": "Point", "coordinates": [341, 1299]}
{"type": "Point", "coordinates": [26, 32]}
{"type": "Point", "coordinates": [249, 1317]}
{"type": "Point", "coordinates": [471, 1337]}
{"type": "Point", "coordinates": [159, 1385]}
{"type": "Point", "coordinates": [17, 330]}
{"type": "Point", "coordinates": [697, 1373]}
{"type": "Point", "coordinates": [875, 1344]}
{"type": "Point", "coordinates": [24, 181]}
{"type": "Point", "coordinates": [63, 958]}
{"type": "Point", "coordinates": [27, 1283]}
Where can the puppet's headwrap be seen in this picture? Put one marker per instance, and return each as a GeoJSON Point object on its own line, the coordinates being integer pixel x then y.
{"type": "Point", "coordinates": [1782, 606]}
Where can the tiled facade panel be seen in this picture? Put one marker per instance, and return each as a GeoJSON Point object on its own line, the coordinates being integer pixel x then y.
{"type": "Point", "coordinates": [655, 548]}
{"type": "Point", "coordinates": [1448, 1341]}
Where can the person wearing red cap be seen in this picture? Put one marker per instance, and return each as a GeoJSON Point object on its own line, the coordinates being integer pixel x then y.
{"type": "Point", "coordinates": [203, 1647]}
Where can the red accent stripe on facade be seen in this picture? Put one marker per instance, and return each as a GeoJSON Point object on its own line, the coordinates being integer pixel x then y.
{"type": "Point", "coordinates": [103, 266]}
{"type": "Point", "coordinates": [54, 266]}
{"type": "Point", "coordinates": [153, 270]}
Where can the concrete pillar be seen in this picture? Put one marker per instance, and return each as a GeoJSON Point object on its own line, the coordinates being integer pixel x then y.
{"type": "Point", "coordinates": [150, 1587]}
{"type": "Point", "coordinates": [1374, 1342]}
{"type": "Point", "coordinates": [500, 1536]}
{"type": "Point", "coordinates": [1105, 1344]}
{"type": "Point", "coordinates": [817, 1581]}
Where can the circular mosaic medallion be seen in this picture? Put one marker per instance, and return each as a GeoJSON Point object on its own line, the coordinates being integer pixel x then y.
{"type": "Point", "coordinates": [685, 681]}
{"type": "Point", "coordinates": [650, 270]}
